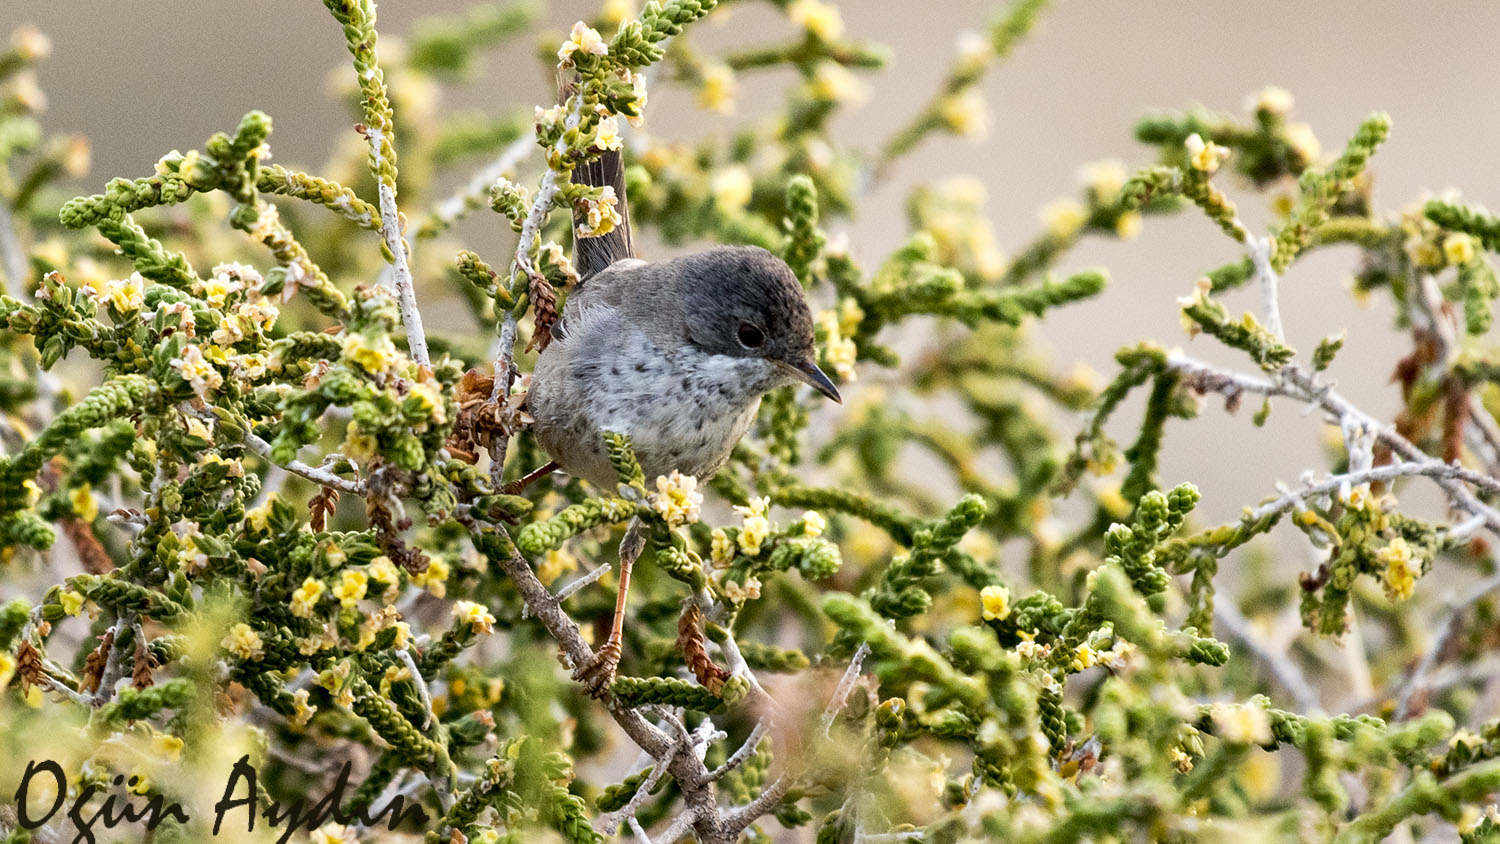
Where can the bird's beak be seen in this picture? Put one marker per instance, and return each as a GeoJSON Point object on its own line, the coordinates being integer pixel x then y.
{"type": "Point", "coordinates": [808, 372]}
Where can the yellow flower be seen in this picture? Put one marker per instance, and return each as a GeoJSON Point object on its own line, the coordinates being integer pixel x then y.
{"type": "Point", "coordinates": [31, 44]}
{"type": "Point", "coordinates": [127, 295]}
{"type": "Point", "coordinates": [197, 371]}
{"type": "Point", "coordinates": [1104, 179]}
{"type": "Point", "coordinates": [1205, 156]}
{"type": "Point", "coordinates": [243, 642]}
{"type": "Point", "coordinates": [352, 587]}
{"type": "Point", "coordinates": [382, 569]}
{"type": "Point", "coordinates": [616, 11]}
{"type": "Point", "coordinates": [430, 398]}
{"type": "Point", "coordinates": [554, 563]}
{"type": "Point", "coordinates": [677, 499]}
{"type": "Point", "coordinates": [717, 90]}
{"type": "Point", "coordinates": [1303, 142]}
{"type": "Point", "coordinates": [333, 833]}
{"type": "Point", "coordinates": [965, 113]}
{"type": "Point", "coordinates": [583, 39]}
{"type": "Point", "coordinates": [995, 602]}
{"type": "Point", "coordinates": [306, 597]}
{"type": "Point", "coordinates": [721, 549]}
{"type": "Point", "coordinates": [259, 517]}
{"type": "Point", "coordinates": [1241, 723]}
{"type": "Point", "coordinates": [813, 523]}
{"type": "Point", "coordinates": [358, 445]}
{"type": "Point", "coordinates": [835, 83]}
{"type": "Point", "coordinates": [607, 136]}
{"type": "Point", "coordinates": [1128, 225]}
{"type": "Point", "coordinates": [468, 611]}
{"type": "Point", "coordinates": [818, 18]}
{"type": "Point", "coordinates": [736, 592]}
{"type": "Point", "coordinates": [267, 224]}
{"type": "Point", "coordinates": [732, 187]}
{"type": "Point", "coordinates": [189, 558]}
{"type": "Point", "coordinates": [84, 504]}
{"type": "Point", "coordinates": [840, 351]}
{"type": "Point", "coordinates": [638, 105]}
{"type": "Point", "coordinates": [1064, 217]}
{"type": "Point", "coordinates": [1458, 248]}
{"type": "Point", "coordinates": [601, 215]}
{"type": "Point", "coordinates": [756, 527]}
{"type": "Point", "coordinates": [302, 710]}
{"type": "Point", "coordinates": [373, 356]}
{"type": "Point", "coordinates": [263, 314]}
{"type": "Point", "coordinates": [168, 747]}
{"type": "Point", "coordinates": [435, 578]}
{"type": "Point", "coordinates": [72, 602]}
{"type": "Point", "coordinates": [1402, 569]}
{"type": "Point", "coordinates": [974, 49]}
{"type": "Point", "coordinates": [217, 288]}
{"type": "Point", "coordinates": [1084, 657]}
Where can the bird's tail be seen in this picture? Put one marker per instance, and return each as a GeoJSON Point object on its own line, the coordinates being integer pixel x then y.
{"type": "Point", "coordinates": [593, 254]}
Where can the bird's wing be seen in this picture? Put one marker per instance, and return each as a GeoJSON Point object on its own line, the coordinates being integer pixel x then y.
{"type": "Point", "coordinates": [608, 289]}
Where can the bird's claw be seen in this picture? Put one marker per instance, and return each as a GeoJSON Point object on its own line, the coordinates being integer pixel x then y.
{"type": "Point", "coordinates": [598, 673]}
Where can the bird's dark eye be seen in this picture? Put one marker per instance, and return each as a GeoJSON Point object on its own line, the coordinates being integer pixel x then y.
{"type": "Point", "coordinates": [750, 336]}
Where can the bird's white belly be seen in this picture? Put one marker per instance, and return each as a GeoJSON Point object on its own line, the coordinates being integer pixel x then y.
{"type": "Point", "coordinates": [683, 409]}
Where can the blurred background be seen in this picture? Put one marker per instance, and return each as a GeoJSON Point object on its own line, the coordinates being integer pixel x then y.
{"type": "Point", "coordinates": [142, 78]}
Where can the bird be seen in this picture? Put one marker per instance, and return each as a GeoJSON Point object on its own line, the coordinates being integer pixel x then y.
{"type": "Point", "coordinates": [675, 354]}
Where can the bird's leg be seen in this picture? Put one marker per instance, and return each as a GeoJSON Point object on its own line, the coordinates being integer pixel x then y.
{"type": "Point", "coordinates": [599, 673]}
{"type": "Point", "coordinates": [515, 487]}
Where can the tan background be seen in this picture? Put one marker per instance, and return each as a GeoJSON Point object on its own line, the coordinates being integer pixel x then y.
{"type": "Point", "coordinates": [142, 78]}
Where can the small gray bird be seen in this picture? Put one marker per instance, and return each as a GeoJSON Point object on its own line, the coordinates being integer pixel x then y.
{"type": "Point", "coordinates": [675, 354]}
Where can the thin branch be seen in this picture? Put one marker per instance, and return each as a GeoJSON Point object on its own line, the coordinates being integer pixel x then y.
{"type": "Point", "coordinates": [111, 673]}
{"type": "Point", "coordinates": [743, 754]}
{"type": "Point", "coordinates": [453, 207]}
{"type": "Point", "coordinates": [1290, 677]}
{"type": "Point", "coordinates": [571, 589]}
{"type": "Point", "coordinates": [390, 229]}
{"type": "Point", "coordinates": [423, 694]}
{"type": "Point", "coordinates": [846, 685]}
{"type": "Point", "coordinates": [302, 470]}
{"type": "Point", "coordinates": [1260, 256]}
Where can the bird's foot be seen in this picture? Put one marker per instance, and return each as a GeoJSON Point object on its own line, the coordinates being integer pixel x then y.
{"type": "Point", "coordinates": [598, 673]}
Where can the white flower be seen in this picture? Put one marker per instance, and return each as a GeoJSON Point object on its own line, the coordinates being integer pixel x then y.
{"type": "Point", "coordinates": [127, 295]}
{"type": "Point", "coordinates": [243, 642]}
{"type": "Point", "coordinates": [818, 18]}
{"type": "Point", "coordinates": [472, 613]}
{"type": "Point", "coordinates": [607, 136]}
{"type": "Point", "coordinates": [197, 371]}
{"type": "Point", "coordinates": [731, 187]}
{"type": "Point", "coordinates": [638, 84]}
{"type": "Point", "coordinates": [601, 215]}
{"type": "Point", "coordinates": [1272, 99]}
{"type": "Point", "coordinates": [677, 499]}
{"type": "Point", "coordinates": [584, 39]}
{"type": "Point", "coordinates": [1064, 217]}
{"type": "Point", "coordinates": [1205, 156]}
{"type": "Point", "coordinates": [756, 527]}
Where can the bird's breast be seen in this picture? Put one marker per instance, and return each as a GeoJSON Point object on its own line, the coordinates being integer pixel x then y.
{"type": "Point", "coordinates": [682, 408]}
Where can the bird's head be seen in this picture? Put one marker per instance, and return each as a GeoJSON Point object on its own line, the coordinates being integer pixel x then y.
{"type": "Point", "coordinates": [742, 301]}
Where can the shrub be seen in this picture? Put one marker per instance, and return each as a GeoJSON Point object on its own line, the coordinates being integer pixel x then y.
{"type": "Point", "coordinates": [274, 519]}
